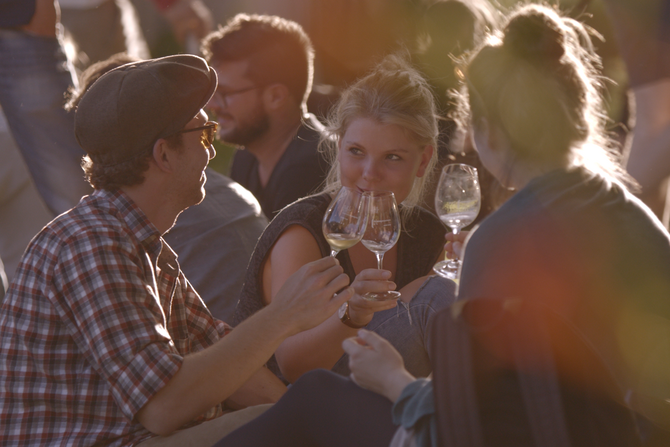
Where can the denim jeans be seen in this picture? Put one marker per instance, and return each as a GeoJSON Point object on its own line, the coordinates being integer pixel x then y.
{"type": "Point", "coordinates": [407, 327]}
{"type": "Point", "coordinates": [34, 75]}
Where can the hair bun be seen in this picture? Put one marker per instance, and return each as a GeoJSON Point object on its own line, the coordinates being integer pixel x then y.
{"type": "Point", "coordinates": [535, 37]}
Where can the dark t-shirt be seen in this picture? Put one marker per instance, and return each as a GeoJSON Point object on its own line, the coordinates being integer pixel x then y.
{"type": "Point", "coordinates": [299, 173]}
{"type": "Point", "coordinates": [592, 252]}
{"type": "Point", "coordinates": [419, 246]}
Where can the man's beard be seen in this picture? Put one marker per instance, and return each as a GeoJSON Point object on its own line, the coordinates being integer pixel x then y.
{"type": "Point", "coordinates": [247, 132]}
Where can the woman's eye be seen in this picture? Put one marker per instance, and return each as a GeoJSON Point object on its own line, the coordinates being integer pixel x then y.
{"type": "Point", "coordinates": [393, 157]}
{"type": "Point", "coordinates": [354, 150]}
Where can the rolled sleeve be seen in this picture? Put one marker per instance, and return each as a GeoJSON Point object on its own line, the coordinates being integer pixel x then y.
{"type": "Point", "coordinates": [415, 409]}
{"type": "Point", "coordinates": [114, 315]}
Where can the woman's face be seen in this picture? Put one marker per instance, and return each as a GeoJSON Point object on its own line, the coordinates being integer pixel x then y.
{"type": "Point", "coordinates": [381, 157]}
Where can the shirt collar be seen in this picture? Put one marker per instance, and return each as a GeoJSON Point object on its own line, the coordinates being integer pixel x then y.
{"type": "Point", "coordinates": [135, 219]}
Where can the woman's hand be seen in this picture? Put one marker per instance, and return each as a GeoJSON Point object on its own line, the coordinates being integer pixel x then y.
{"type": "Point", "coordinates": [454, 246]}
{"type": "Point", "coordinates": [361, 310]}
{"type": "Point", "coordinates": [376, 365]}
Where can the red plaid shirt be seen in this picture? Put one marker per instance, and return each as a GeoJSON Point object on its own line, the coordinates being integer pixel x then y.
{"type": "Point", "coordinates": [96, 321]}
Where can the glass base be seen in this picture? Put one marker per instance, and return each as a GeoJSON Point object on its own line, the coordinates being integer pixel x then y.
{"type": "Point", "coordinates": [446, 269]}
{"type": "Point", "coordinates": [382, 296]}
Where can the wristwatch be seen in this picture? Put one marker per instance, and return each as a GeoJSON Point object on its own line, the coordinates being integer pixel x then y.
{"type": "Point", "coordinates": [343, 313]}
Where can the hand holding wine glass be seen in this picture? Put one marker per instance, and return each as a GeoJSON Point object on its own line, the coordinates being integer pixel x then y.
{"type": "Point", "coordinates": [345, 219]}
{"type": "Point", "coordinates": [457, 202]}
{"type": "Point", "coordinates": [381, 233]}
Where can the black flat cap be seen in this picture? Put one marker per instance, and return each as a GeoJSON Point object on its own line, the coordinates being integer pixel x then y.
{"type": "Point", "coordinates": [124, 112]}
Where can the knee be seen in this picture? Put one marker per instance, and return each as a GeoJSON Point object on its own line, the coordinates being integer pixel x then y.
{"type": "Point", "coordinates": [436, 293]}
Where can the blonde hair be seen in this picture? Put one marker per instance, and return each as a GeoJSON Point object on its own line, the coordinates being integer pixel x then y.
{"type": "Point", "coordinates": [392, 93]}
{"type": "Point", "coordinates": [539, 82]}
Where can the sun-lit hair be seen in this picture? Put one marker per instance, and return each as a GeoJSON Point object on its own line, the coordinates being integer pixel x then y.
{"type": "Point", "coordinates": [392, 93]}
{"type": "Point", "coordinates": [277, 51]}
{"type": "Point", "coordinates": [538, 80]}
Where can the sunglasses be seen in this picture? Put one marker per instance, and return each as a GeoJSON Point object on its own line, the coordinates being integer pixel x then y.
{"type": "Point", "coordinates": [208, 132]}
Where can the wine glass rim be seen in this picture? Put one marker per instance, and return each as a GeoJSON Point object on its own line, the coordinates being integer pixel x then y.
{"type": "Point", "coordinates": [378, 193]}
{"type": "Point", "coordinates": [467, 166]}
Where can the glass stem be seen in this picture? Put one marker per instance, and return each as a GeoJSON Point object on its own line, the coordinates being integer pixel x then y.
{"type": "Point", "coordinates": [453, 263]}
{"type": "Point", "coordinates": [334, 253]}
{"type": "Point", "coordinates": [380, 259]}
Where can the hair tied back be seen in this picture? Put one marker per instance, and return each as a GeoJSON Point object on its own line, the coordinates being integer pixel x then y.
{"type": "Point", "coordinates": [535, 37]}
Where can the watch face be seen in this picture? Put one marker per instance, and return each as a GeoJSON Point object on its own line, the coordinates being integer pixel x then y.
{"type": "Point", "coordinates": [342, 310]}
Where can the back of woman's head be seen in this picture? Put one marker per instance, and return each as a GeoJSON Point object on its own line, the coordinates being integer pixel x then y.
{"type": "Point", "coordinates": [538, 82]}
{"type": "Point", "coordinates": [392, 93]}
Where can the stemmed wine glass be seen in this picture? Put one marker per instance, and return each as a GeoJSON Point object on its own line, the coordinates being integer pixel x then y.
{"type": "Point", "coordinates": [457, 202]}
{"type": "Point", "coordinates": [345, 219]}
{"type": "Point", "coordinates": [382, 233]}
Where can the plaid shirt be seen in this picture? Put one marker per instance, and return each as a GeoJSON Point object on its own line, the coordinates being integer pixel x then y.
{"type": "Point", "coordinates": [96, 321]}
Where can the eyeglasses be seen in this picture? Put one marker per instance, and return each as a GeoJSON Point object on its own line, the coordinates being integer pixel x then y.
{"type": "Point", "coordinates": [224, 96]}
{"type": "Point", "coordinates": [208, 132]}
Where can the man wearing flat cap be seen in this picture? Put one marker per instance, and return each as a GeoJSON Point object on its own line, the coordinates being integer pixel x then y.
{"type": "Point", "coordinates": [104, 340]}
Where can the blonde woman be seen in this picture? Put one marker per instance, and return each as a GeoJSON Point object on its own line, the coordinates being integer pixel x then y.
{"type": "Point", "coordinates": [381, 137]}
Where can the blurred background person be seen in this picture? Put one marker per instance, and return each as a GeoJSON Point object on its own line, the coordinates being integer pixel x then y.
{"type": "Point", "coordinates": [34, 76]}
{"type": "Point", "coordinates": [265, 68]}
{"type": "Point", "coordinates": [642, 29]}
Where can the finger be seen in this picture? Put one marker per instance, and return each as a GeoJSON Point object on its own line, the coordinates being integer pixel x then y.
{"type": "Point", "coordinates": [376, 341]}
{"type": "Point", "coordinates": [458, 248]}
{"type": "Point", "coordinates": [374, 286]}
{"type": "Point", "coordinates": [374, 274]}
{"type": "Point", "coordinates": [323, 264]}
{"type": "Point", "coordinates": [350, 346]}
{"type": "Point", "coordinates": [345, 295]}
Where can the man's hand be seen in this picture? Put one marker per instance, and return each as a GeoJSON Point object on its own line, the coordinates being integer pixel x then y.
{"type": "Point", "coordinates": [189, 19]}
{"type": "Point", "coordinates": [376, 365]}
{"type": "Point", "coordinates": [309, 296]}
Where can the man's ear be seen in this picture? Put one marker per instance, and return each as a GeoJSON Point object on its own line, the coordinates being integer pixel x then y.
{"type": "Point", "coordinates": [426, 155]}
{"type": "Point", "coordinates": [163, 156]}
{"type": "Point", "coordinates": [275, 96]}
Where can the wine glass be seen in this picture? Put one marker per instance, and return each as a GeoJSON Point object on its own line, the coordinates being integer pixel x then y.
{"type": "Point", "coordinates": [381, 233]}
{"type": "Point", "coordinates": [345, 219]}
{"type": "Point", "coordinates": [457, 202]}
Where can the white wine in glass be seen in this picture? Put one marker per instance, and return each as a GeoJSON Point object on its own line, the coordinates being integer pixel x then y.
{"type": "Point", "coordinates": [381, 233]}
{"type": "Point", "coordinates": [345, 220]}
{"type": "Point", "coordinates": [457, 202]}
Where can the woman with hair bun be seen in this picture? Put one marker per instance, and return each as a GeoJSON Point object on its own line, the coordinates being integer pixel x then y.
{"type": "Point", "coordinates": [380, 136]}
{"type": "Point", "coordinates": [572, 239]}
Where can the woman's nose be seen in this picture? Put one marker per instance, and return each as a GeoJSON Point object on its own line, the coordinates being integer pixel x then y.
{"type": "Point", "coordinates": [371, 171]}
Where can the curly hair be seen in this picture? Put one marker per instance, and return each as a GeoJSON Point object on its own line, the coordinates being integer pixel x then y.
{"type": "Point", "coordinates": [128, 173]}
